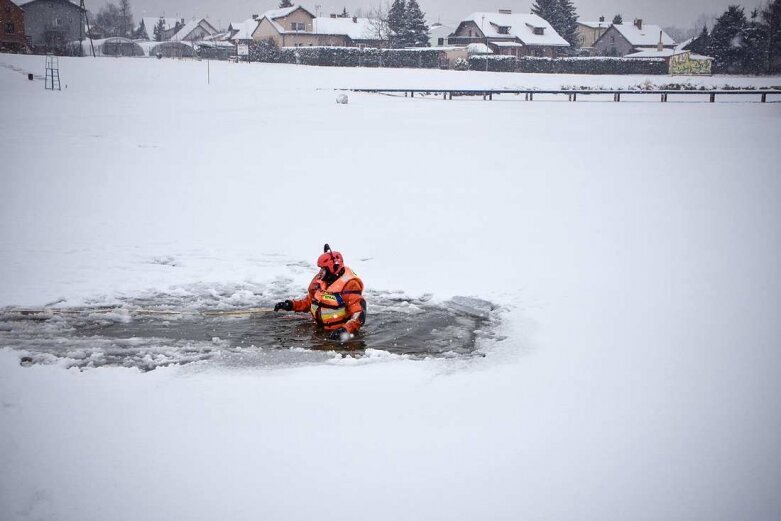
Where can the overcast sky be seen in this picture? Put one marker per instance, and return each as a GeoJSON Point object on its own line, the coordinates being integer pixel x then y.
{"type": "Point", "coordinates": [681, 13]}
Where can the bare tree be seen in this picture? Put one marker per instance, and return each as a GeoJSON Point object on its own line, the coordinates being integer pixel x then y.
{"type": "Point", "coordinates": [378, 23]}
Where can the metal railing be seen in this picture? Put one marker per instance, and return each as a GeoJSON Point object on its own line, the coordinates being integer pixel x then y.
{"type": "Point", "coordinates": [572, 95]}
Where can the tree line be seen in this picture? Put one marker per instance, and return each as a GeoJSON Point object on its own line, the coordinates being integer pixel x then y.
{"type": "Point", "coordinates": [741, 44]}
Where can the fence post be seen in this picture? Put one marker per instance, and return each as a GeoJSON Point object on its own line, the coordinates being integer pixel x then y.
{"type": "Point", "coordinates": [713, 98]}
{"type": "Point", "coordinates": [764, 97]}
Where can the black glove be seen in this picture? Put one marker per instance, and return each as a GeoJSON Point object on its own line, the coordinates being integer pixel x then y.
{"type": "Point", "coordinates": [285, 306]}
{"type": "Point", "coordinates": [339, 334]}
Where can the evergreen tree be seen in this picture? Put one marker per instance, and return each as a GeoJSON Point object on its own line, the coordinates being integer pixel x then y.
{"type": "Point", "coordinates": [701, 44]}
{"type": "Point", "coordinates": [396, 23]}
{"type": "Point", "coordinates": [550, 11]}
{"type": "Point", "coordinates": [345, 14]}
{"type": "Point", "coordinates": [569, 23]}
{"type": "Point", "coordinates": [159, 30]}
{"type": "Point", "coordinates": [415, 28]}
{"type": "Point", "coordinates": [618, 19]}
{"type": "Point", "coordinates": [285, 3]}
{"type": "Point", "coordinates": [562, 17]}
{"type": "Point", "coordinates": [754, 46]}
{"type": "Point", "coordinates": [726, 40]}
{"type": "Point", "coordinates": [771, 18]}
{"type": "Point", "coordinates": [125, 18]}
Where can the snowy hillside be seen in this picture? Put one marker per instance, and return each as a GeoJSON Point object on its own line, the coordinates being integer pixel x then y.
{"type": "Point", "coordinates": [632, 250]}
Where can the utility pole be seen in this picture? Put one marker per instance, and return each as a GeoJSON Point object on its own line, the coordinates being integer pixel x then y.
{"type": "Point", "coordinates": [81, 31]}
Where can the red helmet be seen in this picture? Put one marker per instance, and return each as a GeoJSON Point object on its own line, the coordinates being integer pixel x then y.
{"type": "Point", "coordinates": [330, 260]}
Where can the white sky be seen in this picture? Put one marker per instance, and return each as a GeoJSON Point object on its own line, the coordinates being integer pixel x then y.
{"type": "Point", "coordinates": [681, 13]}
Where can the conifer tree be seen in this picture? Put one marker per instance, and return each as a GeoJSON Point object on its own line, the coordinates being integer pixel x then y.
{"type": "Point", "coordinates": [562, 17]}
{"type": "Point", "coordinates": [701, 44]}
{"type": "Point", "coordinates": [771, 18]}
{"type": "Point", "coordinates": [550, 11]}
{"type": "Point", "coordinates": [569, 23]}
{"type": "Point", "coordinates": [159, 30]}
{"type": "Point", "coordinates": [727, 40]}
{"type": "Point", "coordinates": [754, 38]}
{"type": "Point", "coordinates": [415, 28]}
{"type": "Point", "coordinates": [285, 3]}
{"type": "Point", "coordinates": [618, 19]}
{"type": "Point", "coordinates": [397, 23]}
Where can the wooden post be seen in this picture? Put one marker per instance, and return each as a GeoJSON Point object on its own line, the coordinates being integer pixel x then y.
{"type": "Point", "coordinates": [531, 96]}
{"type": "Point", "coordinates": [713, 98]}
{"type": "Point", "coordinates": [764, 97]}
{"type": "Point", "coordinates": [490, 96]}
{"type": "Point", "coordinates": [574, 96]}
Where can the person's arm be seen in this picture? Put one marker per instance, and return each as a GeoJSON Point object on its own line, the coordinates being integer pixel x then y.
{"type": "Point", "coordinates": [301, 305]}
{"type": "Point", "coordinates": [355, 304]}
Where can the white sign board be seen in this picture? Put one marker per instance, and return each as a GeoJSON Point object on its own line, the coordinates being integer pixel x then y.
{"type": "Point", "coordinates": [243, 49]}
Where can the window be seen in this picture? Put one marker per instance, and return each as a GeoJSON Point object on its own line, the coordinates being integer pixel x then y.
{"type": "Point", "coordinates": [9, 28]}
{"type": "Point", "coordinates": [503, 30]}
{"type": "Point", "coordinates": [298, 26]}
{"type": "Point", "coordinates": [539, 31]}
{"type": "Point", "coordinates": [441, 42]}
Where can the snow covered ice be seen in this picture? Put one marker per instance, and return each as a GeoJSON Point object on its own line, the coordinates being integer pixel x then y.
{"type": "Point", "coordinates": [630, 251]}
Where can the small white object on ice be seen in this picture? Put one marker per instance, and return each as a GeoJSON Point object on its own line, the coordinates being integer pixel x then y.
{"type": "Point", "coordinates": [342, 99]}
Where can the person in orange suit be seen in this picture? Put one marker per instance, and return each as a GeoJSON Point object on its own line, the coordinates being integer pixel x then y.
{"type": "Point", "coordinates": [335, 298]}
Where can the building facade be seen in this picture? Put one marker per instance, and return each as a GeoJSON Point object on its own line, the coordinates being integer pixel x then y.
{"type": "Point", "coordinates": [589, 32]}
{"type": "Point", "coordinates": [510, 34]}
{"type": "Point", "coordinates": [297, 27]}
{"type": "Point", "coordinates": [51, 24]}
{"type": "Point", "coordinates": [623, 39]}
{"type": "Point", "coordinates": [12, 35]}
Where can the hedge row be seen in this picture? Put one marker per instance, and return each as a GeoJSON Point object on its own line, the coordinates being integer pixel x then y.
{"type": "Point", "coordinates": [348, 56]}
{"type": "Point", "coordinates": [592, 65]}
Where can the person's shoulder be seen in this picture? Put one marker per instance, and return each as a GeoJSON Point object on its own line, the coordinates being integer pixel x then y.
{"type": "Point", "coordinates": [355, 283]}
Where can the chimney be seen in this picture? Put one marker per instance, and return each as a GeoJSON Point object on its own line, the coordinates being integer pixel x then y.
{"type": "Point", "coordinates": [505, 11]}
{"type": "Point", "coordinates": [660, 45]}
{"type": "Point", "coordinates": [355, 19]}
{"type": "Point", "coordinates": [601, 19]}
{"type": "Point", "coordinates": [639, 23]}
{"type": "Point", "coordinates": [254, 17]}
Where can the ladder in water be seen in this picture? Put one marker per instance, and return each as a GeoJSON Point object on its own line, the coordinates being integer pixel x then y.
{"type": "Point", "coordinates": [53, 73]}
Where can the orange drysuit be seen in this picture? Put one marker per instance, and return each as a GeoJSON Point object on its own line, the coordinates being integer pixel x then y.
{"type": "Point", "coordinates": [339, 305]}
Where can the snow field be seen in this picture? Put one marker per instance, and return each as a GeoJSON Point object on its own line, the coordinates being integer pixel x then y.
{"type": "Point", "coordinates": [634, 248]}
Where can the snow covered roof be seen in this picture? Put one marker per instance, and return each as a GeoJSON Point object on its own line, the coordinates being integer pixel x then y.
{"type": "Point", "coordinates": [646, 37]}
{"type": "Point", "coordinates": [275, 14]}
{"type": "Point", "coordinates": [507, 44]}
{"type": "Point", "coordinates": [244, 29]}
{"type": "Point", "coordinates": [191, 26]}
{"type": "Point", "coordinates": [151, 22]}
{"type": "Point", "coordinates": [355, 28]}
{"type": "Point", "coordinates": [282, 12]}
{"type": "Point", "coordinates": [596, 25]}
{"type": "Point", "coordinates": [665, 53]}
{"type": "Point", "coordinates": [519, 26]}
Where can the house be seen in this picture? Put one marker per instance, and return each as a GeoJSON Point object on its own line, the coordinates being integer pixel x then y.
{"type": "Point", "coordinates": [171, 26]}
{"type": "Point", "coordinates": [623, 39]}
{"type": "Point", "coordinates": [509, 34]}
{"type": "Point", "coordinates": [12, 35]}
{"type": "Point", "coordinates": [590, 32]}
{"type": "Point", "coordinates": [297, 27]}
{"type": "Point", "coordinates": [680, 60]}
{"type": "Point", "coordinates": [51, 24]}
{"type": "Point", "coordinates": [241, 32]}
{"type": "Point", "coordinates": [194, 31]}
{"type": "Point", "coordinates": [438, 34]}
